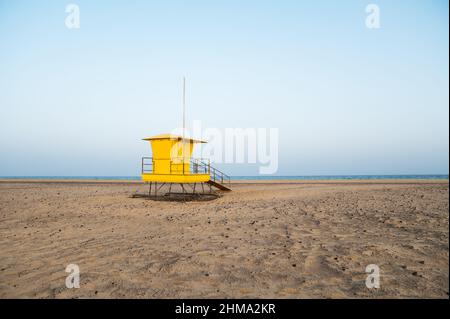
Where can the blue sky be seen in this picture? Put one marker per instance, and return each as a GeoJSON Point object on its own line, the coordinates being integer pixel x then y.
{"type": "Point", "coordinates": [346, 99]}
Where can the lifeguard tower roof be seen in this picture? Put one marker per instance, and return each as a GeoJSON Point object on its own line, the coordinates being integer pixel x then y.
{"type": "Point", "coordinates": [172, 137]}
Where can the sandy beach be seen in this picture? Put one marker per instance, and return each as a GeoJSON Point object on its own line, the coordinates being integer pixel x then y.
{"type": "Point", "coordinates": [265, 239]}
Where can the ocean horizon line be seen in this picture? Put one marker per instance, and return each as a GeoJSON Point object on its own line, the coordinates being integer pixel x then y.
{"type": "Point", "coordinates": [247, 177]}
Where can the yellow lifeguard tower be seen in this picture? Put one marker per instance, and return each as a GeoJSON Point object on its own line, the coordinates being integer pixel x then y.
{"type": "Point", "coordinates": [171, 163]}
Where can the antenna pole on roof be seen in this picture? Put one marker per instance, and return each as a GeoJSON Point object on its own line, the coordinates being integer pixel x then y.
{"type": "Point", "coordinates": [184, 107]}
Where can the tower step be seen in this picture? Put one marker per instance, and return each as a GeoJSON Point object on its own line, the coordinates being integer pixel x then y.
{"type": "Point", "coordinates": [218, 185]}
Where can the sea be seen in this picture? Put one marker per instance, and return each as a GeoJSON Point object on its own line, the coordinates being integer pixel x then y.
{"type": "Point", "coordinates": [265, 177]}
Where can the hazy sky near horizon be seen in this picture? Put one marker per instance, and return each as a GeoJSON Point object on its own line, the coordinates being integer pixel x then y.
{"type": "Point", "coordinates": [346, 99]}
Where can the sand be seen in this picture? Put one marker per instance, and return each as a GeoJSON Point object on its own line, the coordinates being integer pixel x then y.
{"type": "Point", "coordinates": [282, 239]}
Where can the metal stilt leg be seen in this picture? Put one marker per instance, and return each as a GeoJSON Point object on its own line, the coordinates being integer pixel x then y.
{"type": "Point", "coordinates": [184, 198]}
{"type": "Point", "coordinates": [161, 186]}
